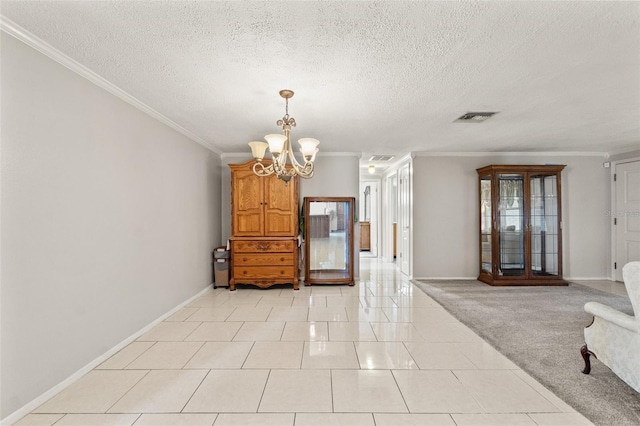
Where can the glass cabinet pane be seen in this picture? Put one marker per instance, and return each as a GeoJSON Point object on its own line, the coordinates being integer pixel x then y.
{"type": "Point", "coordinates": [485, 224]}
{"type": "Point", "coordinates": [511, 225]}
{"type": "Point", "coordinates": [328, 223]}
{"type": "Point", "coordinates": [327, 236]}
{"type": "Point", "coordinates": [544, 225]}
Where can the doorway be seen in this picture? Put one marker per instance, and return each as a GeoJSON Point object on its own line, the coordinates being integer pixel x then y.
{"type": "Point", "coordinates": [626, 215]}
{"type": "Point", "coordinates": [369, 218]}
{"type": "Point", "coordinates": [404, 220]}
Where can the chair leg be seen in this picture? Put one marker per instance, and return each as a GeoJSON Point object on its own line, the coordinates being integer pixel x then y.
{"type": "Point", "coordinates": [585, 352]}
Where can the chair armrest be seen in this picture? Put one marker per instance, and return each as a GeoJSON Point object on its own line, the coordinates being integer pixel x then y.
{"type": "Point", "coordinates": [612, 315]}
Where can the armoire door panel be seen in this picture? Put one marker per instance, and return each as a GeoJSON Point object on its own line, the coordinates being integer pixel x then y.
{"type": "Point", "coordinates": [281, 211]}
{"type": "Point", "coordinates": [248, 209]}
{"type": "Point", "coordinates": [248, 224]}
{"type": "Point", "coordinates": [279, 224]}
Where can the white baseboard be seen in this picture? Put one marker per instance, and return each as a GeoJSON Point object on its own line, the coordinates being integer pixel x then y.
{"type": "Point", "coordinates": [38, 401]}
{"type": "Point", "coordinates": [475, 278]}
{"type": "Point", "coordinates": [444, 278]}
{"type": "Point", "coordinates": [588, 279]}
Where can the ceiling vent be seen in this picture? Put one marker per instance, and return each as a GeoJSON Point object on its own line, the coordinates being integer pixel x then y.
{"type": "Point", "coordinates": [380, 157]}
{"type": "Point", "coordinates": [475, 117]}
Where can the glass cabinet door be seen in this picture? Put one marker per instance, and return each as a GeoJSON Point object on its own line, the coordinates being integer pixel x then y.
{"type": "Point", "coordinates": [328, 240]}
{"type": "Point", "coordinates": [544, 218]}
{"type": "Point", "coordinates": [486, 225]}
{"type": "Point", "coordinates": [511, 225]}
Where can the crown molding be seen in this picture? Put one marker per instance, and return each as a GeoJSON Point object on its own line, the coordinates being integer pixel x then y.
{"type": "Point", "coordinates": [16, 31]}
{"type": "Point", "coordinates": [244, 155]}
{"type": "Point", "coordinates": [625, 152]}
{"type": "Point", "coordinates": [339, 154]}
{"type": "Point", "coordinates": [512, 154]}
{"type": "Point", "coordinates": [319, 154]}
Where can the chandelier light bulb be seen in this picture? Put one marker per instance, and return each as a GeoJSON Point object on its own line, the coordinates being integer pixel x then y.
{"type": "Point", "coordinates": [308, 147]}
{"type": "Point", "coordinates": [258, 149]}
{"type": "Point", "coordinates": [276, 143]}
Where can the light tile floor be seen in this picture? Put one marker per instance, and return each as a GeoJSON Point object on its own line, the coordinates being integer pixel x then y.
{"type": "Point", "coordinates": [378, 353]}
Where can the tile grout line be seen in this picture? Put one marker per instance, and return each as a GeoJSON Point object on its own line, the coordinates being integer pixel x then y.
{"type": "Point", "coordinates": [128, 390]}
{"type": "Point", "coordinates": [195, 391]}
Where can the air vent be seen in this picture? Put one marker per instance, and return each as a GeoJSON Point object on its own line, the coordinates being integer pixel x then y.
{"type": "Point", "coordinates": [380, 157]}
{"type": "Point", "coordinates": [475, 117]}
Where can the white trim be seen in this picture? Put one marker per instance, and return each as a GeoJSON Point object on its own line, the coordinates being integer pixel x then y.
{"type": "Point", "coordinates": [46, 49]}
{"type": "Point", "coordinates": [626, 151]}
{"type": "Point", "coordinates": [339, 154]}
{"type": "Point", "coordinates": [625, 160]}
{"type": "Point", "coordinates": [319, 154]}
{"type": "Point", "coordinates": [588, 279]}
{"type": "Point", "coordinates": [476, 278]}
{"type": "Point", "coordinates": [612, 228]}
{"type": "Point", "coordinates": [236, 155]}
{"type": "Point", "coordinates": [446, 278]}
{"type": "Point", "coordinates": [35, 403]}
{"type": "Point", "coordinates": [512, 154]}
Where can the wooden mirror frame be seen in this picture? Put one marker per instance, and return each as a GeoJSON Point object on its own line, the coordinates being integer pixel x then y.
{"type": "Point", "coordinates": [329, 276]}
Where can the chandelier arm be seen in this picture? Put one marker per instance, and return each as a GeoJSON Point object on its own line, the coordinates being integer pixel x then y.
{"type": "Point", "coordinates": [296, 167]}
{"type": "Point", "coordinates": [280, 162]}
{"type": "Point", "coordinates": [260, 170]}
{"type": "Point", "coordinates": [294, 163]}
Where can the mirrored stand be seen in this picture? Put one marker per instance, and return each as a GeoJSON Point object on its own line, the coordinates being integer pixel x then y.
{"type": "Point", "coordinates": [328, 237]}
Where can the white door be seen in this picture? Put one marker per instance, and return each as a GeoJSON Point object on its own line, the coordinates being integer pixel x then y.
{"type": "Point", "coordinates": [390, 215]}
{"type": "Point", "coordinates": [404, 216]}
{"type": "Point", "coordinates": [627, 215]}
{"type": "Point", "coordinates": [375, 218]}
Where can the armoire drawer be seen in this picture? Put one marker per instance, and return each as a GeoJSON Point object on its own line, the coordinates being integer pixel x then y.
{"type": "Point", "coordinates": [267, 259]}
{"type": "Point", "coordinates": [257, 246]}
{"type": "Point", "coordinates": [242, 273]}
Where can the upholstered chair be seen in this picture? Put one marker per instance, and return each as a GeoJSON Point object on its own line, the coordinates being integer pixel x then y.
{"type": "Point", "coordinates": [614, 337]}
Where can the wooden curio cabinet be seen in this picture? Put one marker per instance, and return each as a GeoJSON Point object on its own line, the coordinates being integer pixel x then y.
{"type": "Point", "coordinates": [328, 240]}
{"type": "Point", "coordinates": [520, 225]}
{"type": "Point", "coordinates": [264, 227]}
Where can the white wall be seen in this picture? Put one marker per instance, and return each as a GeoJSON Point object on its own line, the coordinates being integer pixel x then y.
{"type": "Point", "coordinates": [446, 214]}
{"type": "Point", "coordinates": [334, 176]}
{"type": "Point", "coordinates": [108, 221]}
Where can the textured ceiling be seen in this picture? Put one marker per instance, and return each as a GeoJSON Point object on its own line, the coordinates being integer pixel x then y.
{"type": "Point", "coordinates": [384, 77]}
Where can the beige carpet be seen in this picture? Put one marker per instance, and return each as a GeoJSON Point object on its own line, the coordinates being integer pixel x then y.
{"type": "Point", "coordinates": [541, 330]}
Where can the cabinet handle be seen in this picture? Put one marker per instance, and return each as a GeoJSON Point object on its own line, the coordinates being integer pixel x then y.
{"type": "Point", "coordinates": [264, 246]}
{"type": "Point", "coordinates": [244, 259]}
{"type": "Point", "coordinates": [282, 259]}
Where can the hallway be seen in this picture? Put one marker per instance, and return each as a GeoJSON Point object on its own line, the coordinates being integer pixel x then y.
{"type": "Point", "coordinates": [378, 353]}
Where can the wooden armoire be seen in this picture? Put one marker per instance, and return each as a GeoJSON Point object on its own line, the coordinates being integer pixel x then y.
{"type": "Point", "coordinates": [264, 228]}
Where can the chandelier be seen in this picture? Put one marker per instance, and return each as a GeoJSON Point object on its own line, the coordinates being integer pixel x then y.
{"type": "Point", "coordinates": [281, 150]}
